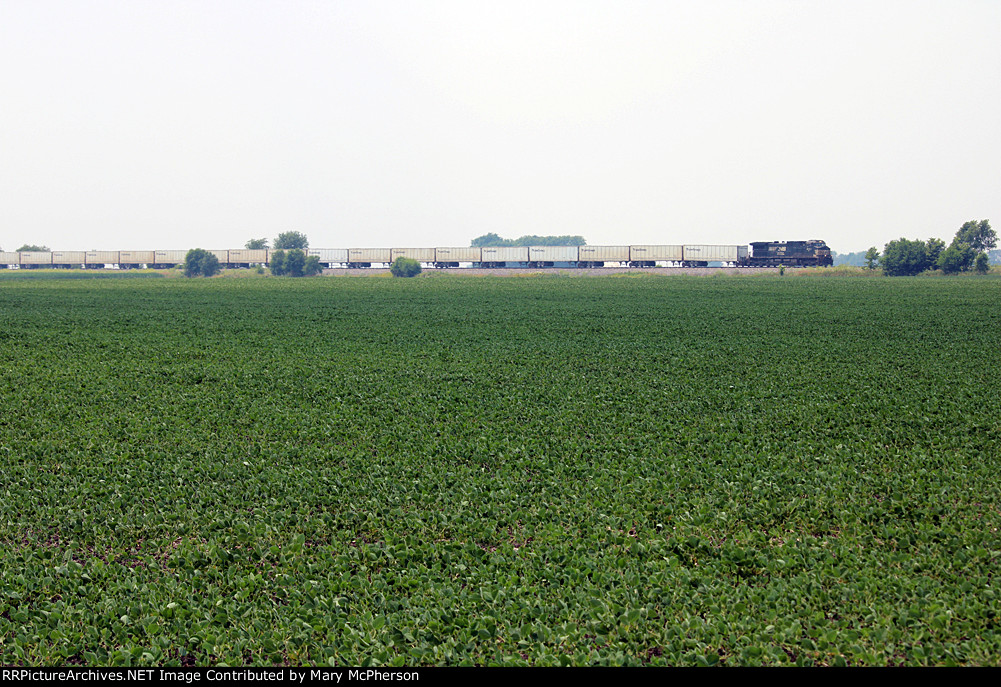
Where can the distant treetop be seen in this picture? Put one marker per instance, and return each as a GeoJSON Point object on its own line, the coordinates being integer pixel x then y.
{"type": "Point", "coordinates": [493, 239]}
{"type": "Point", "coordinates": [977, 235]}
{"type": "Point", "coordinates": [26, 248]}
{"type": "Point", "coordinates": [290, 240]}
{"type": "Point", "coordinates": [256, 244]}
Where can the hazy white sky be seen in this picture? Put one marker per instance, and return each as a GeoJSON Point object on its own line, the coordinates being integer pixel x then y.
{"type": "Point", "coordinates": [172, 124]}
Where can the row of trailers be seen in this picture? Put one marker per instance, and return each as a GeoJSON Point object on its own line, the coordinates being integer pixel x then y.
{"type": "Point", "coordinates": [506, 256]}
{"type": "Point", "coordinates": [124, 259]}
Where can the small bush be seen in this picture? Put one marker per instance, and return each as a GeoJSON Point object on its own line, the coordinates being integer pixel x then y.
{"type": "Point", "coordinates": [904, 258]}
{"type": "Point", "coordinates": [277, 264]}
{"type": "Point", "coordinates": [956, 258]}
{"type": "Point", "coordinates": [295, 263]}
{"type": "Point", "coordinates": [199, 262]}
{"type": "Point", "coordinates": [313, 266]}
{"type": "Point", "coordinates": [405, 267]}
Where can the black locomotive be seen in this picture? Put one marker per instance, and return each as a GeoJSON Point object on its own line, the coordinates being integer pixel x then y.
{"type": "Point", "coordinates": [812, 253]}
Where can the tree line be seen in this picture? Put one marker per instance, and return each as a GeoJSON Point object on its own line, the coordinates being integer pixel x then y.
{"type": "Point", "coordinates": [288, 258]}
{"type": "Point", "coordinates": [493, 240]}
{"type": "Point", "coordinates": [967, 251]}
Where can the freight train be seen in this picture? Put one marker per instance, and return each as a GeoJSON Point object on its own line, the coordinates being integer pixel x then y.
{"type": "Point", "coordinates": [813, 253]}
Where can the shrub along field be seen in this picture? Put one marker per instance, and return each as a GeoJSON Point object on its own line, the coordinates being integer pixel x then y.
{"type": "Point", "coordinates": [492, 471]}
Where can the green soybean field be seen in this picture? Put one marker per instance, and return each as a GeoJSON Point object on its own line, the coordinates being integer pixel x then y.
{"type": "Point", "coordinates": [548, 470]}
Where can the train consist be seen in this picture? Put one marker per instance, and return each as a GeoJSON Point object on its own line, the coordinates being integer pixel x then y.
{"type": "Point", "coordinates": [813, 253]}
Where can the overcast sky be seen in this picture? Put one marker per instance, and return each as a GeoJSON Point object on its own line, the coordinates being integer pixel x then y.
{"type": "Point", "coordinates": [172, 124]}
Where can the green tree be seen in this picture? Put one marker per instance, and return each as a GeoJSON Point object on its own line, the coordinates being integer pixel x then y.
{"type": "Point", "coordinates": [903, 258]}
{"type": "Point", "coordinates": [277, 264]}
{"type": "Point", "coordinates": [871, 258]}
{"type": "Point", "coordinates": [199, 262]}
{"type": "Point", "coordinates": [28, 248]}
{"type": "Point", "coordinates": [289, 240]}
{"type": "Point", "coordinates": [313, 266]}
{"type": "Point", "coordinates": [956, 258]}
{"type": "Point", "coordinates": [981, 264]}
{"type": "Point", "coordinates": [934, 248]}
{"type": "Point", "coordinates": [295, 263]}
{"type": "Point", "coordinates": [256, 244]}
{"type": "Point", "coordinates": [977, 235]}
{"type": "Point", "coordinates": [405, 267]}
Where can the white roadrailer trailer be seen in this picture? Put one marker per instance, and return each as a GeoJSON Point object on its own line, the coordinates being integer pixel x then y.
{"type": "Point", "coordinates": [547, 256]}
{"type": "Point", "coordinates": [454, 256]}
{"type": "Point", "coordinates": [245, 257]}
{"type": "Point", "coordinates": [97, 259]}
{"type": "Point", "coordinates": [597, 256]}
{"type": "Point", "coordinates": [423, 255]}
{"type": "Point", "coordinates": [501, 256]}
{"type": "Point", "coordinates": [36, 258]}
{"type": "Point", "coordinates": [365, 257]}
{"type": "Point", "coordinates": [168, 258]}
{"type": "Point", "coordinates": [650, 255]}
{"type": "Point", "coordinates": [135, 258]}
{"type": "Point", "coordinates": [331, 257]}
{"type": "Point", "coordinates": [69, 258]}
{"type": "Point", "coordinates": [700, 254]}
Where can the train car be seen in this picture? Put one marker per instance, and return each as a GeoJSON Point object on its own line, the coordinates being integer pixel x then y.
{"type": "Point", "coordinates": [597, 256]}
{"type": "Point", "coordinates": [421, 255]}
{"type": "Point", "coordinates": [245, 257]}
{"type": "Point", "coordinates": [331, 257]}
{"type": "Point", "coordinates": [552, 256]}
{"type": "Point", "coordinates": [451, 257]}
{"type": "Point", "coordinates": [165, 259]}
{"type": "Point", "coordinates": [135, 259]}
{"type": "Point", "coordinates": [365, 257]}
{"type": "Point", "coordinates": [504, 256]}
{"type": "Point", "coordinates": [97, 259]}
{"type": "Point", "coordinates": [763, 254]}
{"type": "Point", "coordinates": [812, 253]}
{"type": "Point", "coordinates": [68, 259]}
{"type": "Point", "coordinates": [33, 259]}
{"type": "Point", "coordinates": [649, 255]}
{"type": "Point", "coordinates": [700, 255]}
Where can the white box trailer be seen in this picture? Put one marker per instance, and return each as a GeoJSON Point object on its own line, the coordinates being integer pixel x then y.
{"type": "Point", "coordinates": [418, 254]}
{"type": "Point", "coordinates": [168, 258]}
{"type": "Point", "coordinates": [366, 256]}
{"type": "Point", "coordinates": [329, 256]}
{"type": "Point", "coordinates": [9, 258]}
{"type": "Point", "coordinates": [655, 253]}
{"type": "Point", "coordinates": [454, 256]}
{"type": "Point", "coordinates": [248, 256]}
{"type": "Point", "coordinates": [96, 259]}
{"type": "Point", "coordinates": [714, 253]}
{"type": "Point", "coordinates": [503, 254]}
{"type": "Point", "coordinates": [135, 258]}
{"type": "Point", "coordinates": [551, 254]}
{"type": "Point", "coordinates": [69, 258]}
{"type": "Point", "coordinates": [36, 258]}
{"type": "Point", "coordinates": [603, 253]}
